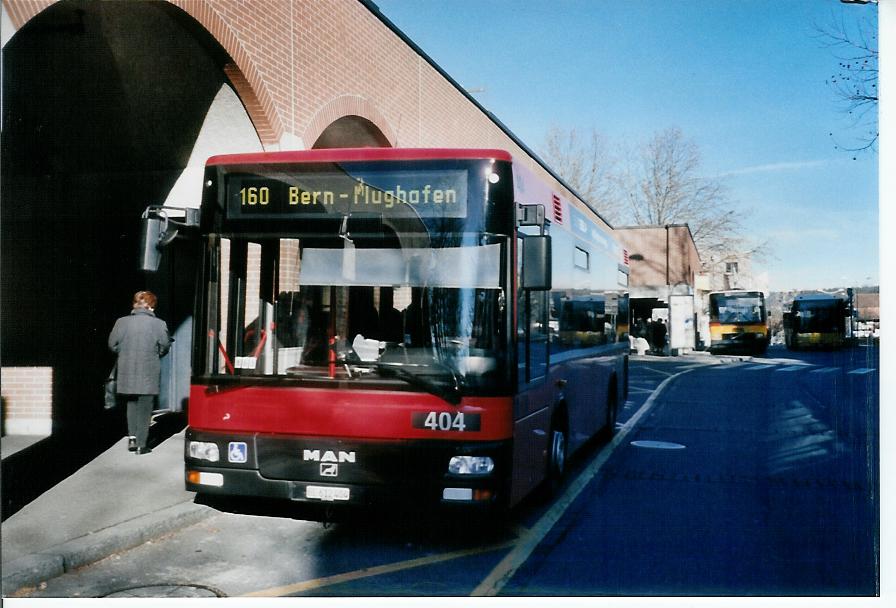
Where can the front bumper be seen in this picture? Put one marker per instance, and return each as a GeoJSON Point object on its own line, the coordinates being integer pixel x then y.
{"type": "Point", "coordinates": [334, 472]}
{"type": "Point", "coordinates": [739, 343]}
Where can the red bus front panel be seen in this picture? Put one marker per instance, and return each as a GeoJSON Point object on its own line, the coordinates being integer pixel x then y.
{"type": "Point", "coordinates": [348, 413]}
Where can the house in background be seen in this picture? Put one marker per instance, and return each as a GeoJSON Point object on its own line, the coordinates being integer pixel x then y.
{"type": "Point", "coordinates": [732, 271]}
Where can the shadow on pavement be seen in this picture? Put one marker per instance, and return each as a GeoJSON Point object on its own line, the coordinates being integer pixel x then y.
{"type": "Point", "coordinates": [32, 471]}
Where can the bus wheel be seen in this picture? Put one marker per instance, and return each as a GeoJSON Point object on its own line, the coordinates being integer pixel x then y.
{"type": "Point", "coordinates": [558, 453]}
{"type": "Point", "coordinates": [557, 458]}
{"type": "Point", "coordinates": [609, 429]}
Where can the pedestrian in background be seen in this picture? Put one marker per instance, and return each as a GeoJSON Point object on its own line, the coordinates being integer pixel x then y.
{"type": "Point", "coordinates": [657, 330]}
{"type": "Point", "coordinates": [140, 340]}
{"type": "Point", "coordinates": [641, 329]}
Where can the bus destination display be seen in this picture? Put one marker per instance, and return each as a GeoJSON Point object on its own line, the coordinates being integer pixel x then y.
{"type": "Point", "coordinates": [428, 193]}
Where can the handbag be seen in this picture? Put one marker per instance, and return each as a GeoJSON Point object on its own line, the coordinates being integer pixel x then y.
{"type": "Point", "coordinates": [110, 388]}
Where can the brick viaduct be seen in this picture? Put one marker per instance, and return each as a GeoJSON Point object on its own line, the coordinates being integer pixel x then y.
{"type": "Point", "coordinates": [300, 73]}
{"type": "Point", "coordinates": [300, 65]}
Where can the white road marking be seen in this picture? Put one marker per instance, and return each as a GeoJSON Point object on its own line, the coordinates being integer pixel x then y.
{"type": "Point", "coordinates": [658, 445]}
{"type": "Point", "coordinates": [784, 361]}
{"type": "Point", "coordinates": [862, 371]}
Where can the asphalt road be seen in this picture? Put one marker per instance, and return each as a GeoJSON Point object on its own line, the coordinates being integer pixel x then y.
{"type": "Point", "coordinates": [737, 478]}
{"type": "Point", "coordinates": [762, 479]}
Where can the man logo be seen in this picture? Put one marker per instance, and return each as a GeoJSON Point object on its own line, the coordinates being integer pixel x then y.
{"type": "Point", "coordinates": [329, 470]}
{"type": "Point", "coordinates": [328, 456]}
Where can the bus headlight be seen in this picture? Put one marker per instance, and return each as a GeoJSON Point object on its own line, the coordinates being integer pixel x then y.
{"type": "Point", "coordinates": [471, 465]}
{"type": "Point", "coordinates": [204, 450]}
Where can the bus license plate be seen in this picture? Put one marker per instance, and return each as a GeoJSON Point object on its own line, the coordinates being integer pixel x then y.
{"type": "Point", "coordinates": [326, 493]}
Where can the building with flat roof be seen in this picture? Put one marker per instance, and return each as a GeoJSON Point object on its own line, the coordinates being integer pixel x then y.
{"type": "Point", "coordinates": [664, 264]}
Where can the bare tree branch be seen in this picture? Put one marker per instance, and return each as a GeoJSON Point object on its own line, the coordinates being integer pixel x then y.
{"type": "Point", "coordinates": [657, 184]}
{"type": "Point", "coordinates": [856, 78]}
{"type": "Point", "coordinates": [667, 188]}
{"type": "Point", "coordinates": [587, 166]}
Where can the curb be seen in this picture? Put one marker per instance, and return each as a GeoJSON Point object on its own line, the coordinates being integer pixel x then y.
{"type": "Point", "coordinates": [31, 570]}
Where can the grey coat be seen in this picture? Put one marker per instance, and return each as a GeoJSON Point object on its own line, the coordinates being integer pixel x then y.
{"type": "Point", "coordinates": [140, 340]}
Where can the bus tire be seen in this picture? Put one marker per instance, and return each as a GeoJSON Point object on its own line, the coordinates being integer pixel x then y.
{"type": "Point", "coordinates": [625, 386]}
{"type": "Point", "coordinates": [609, 429]}
{"type": "Point", "coordinates": [557, 453]}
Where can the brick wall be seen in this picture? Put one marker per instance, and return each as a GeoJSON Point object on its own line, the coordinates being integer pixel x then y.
{"type": "Point", "coordinates": [298, 65]}
{"type": "Point", "coordinates": [650, 243]}
{"type": "Point", "coordinates": [27, 394]}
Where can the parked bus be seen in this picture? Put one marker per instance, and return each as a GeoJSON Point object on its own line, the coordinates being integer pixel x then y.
{"type": "Point", "coordinates": [816, 321]}
{"type": "Point", "coordinates": [375, 325]}
{"type": "Point", "coordinates": [738, 322]}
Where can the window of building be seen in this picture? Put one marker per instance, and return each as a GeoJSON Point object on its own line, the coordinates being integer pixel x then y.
{"type": "Point", "coordinates": [581, 258]}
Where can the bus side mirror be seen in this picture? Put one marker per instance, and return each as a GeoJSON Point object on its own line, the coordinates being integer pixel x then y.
{"type": "Point", "coordinates": [537, 262]}
{"type": "Point", "coordinates": [158, 230]}
{"type": "Point", "coordinates": [150, 233]}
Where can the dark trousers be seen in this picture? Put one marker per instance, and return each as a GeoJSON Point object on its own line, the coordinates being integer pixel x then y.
{"type": "Point", "coordinates": [139, 414]}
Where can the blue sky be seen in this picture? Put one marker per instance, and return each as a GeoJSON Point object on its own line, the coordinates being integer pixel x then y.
{"type": "Point", "coordinates": [745, 80]}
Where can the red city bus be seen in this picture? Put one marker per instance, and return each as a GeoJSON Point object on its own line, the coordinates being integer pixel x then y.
{"type": "Point", "coordinates": [376, 325]}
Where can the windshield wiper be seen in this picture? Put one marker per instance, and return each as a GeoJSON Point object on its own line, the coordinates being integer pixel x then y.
{"type": "Point", "coordinates": [449, 391]}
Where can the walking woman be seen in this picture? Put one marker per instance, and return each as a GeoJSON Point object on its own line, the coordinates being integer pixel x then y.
{"type": "Point", "coordinates": [140, 340]}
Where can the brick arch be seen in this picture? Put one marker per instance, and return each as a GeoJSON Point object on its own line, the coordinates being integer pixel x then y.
{"type": "Point", "coordinates": [342, 106]}
{"type": "Point", "coordinates": [242, 72]}
{"type": "Point", "coordinates": [21, 13]}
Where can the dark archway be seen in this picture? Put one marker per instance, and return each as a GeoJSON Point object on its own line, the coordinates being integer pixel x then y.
{"type": "Point", "coordinates": [102, 105]}
{"type": "Point", "coordinates": [352, 132]}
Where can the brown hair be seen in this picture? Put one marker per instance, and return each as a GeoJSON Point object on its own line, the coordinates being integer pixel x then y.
{"type": "Point", "coordinates": [145, 299]}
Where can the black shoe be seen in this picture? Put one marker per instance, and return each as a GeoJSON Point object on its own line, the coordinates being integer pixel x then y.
{"type": "Point", "coordinates": [145, 450]}
{"type": "Point", "coordinates": [132, 444]}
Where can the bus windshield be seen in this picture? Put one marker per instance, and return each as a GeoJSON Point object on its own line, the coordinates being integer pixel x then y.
{"type": "Point", "coordinates": [407, 313]}
{"type": "Point", "coordinates": [360, 273]}
{"type": "Point", "coordinates": [818, 316]}
{"type": "Point", "coordinates": [739, 308]}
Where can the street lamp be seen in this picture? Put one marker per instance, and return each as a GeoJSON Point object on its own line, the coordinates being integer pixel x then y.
{"type": "Point", "coordinates": [668, 293]}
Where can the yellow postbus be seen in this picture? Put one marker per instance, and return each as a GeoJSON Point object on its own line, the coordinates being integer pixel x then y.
{"type": "Point", "coordinates": [738, 322]}
{"type": "Point", "coordinates": [816, 320]}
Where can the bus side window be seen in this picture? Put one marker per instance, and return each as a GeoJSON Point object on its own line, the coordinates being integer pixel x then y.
{"type": "Point", "coordinates": [536, 333]}
{"type": "Point", "coordinates": [533, 330]}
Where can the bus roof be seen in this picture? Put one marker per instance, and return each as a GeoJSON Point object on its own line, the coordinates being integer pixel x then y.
{"type": "Point", "coordinates": [816, 296]}
{"type": "Point", "coordinates": [329, 155]}
{"type": "Point", "coordinates": [736, 292]}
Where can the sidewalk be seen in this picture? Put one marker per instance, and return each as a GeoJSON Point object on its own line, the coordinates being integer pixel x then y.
{"type": "Point", "coordinates": [117, 501]}
{"type": "Point", "coordinates": [12, 444]}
